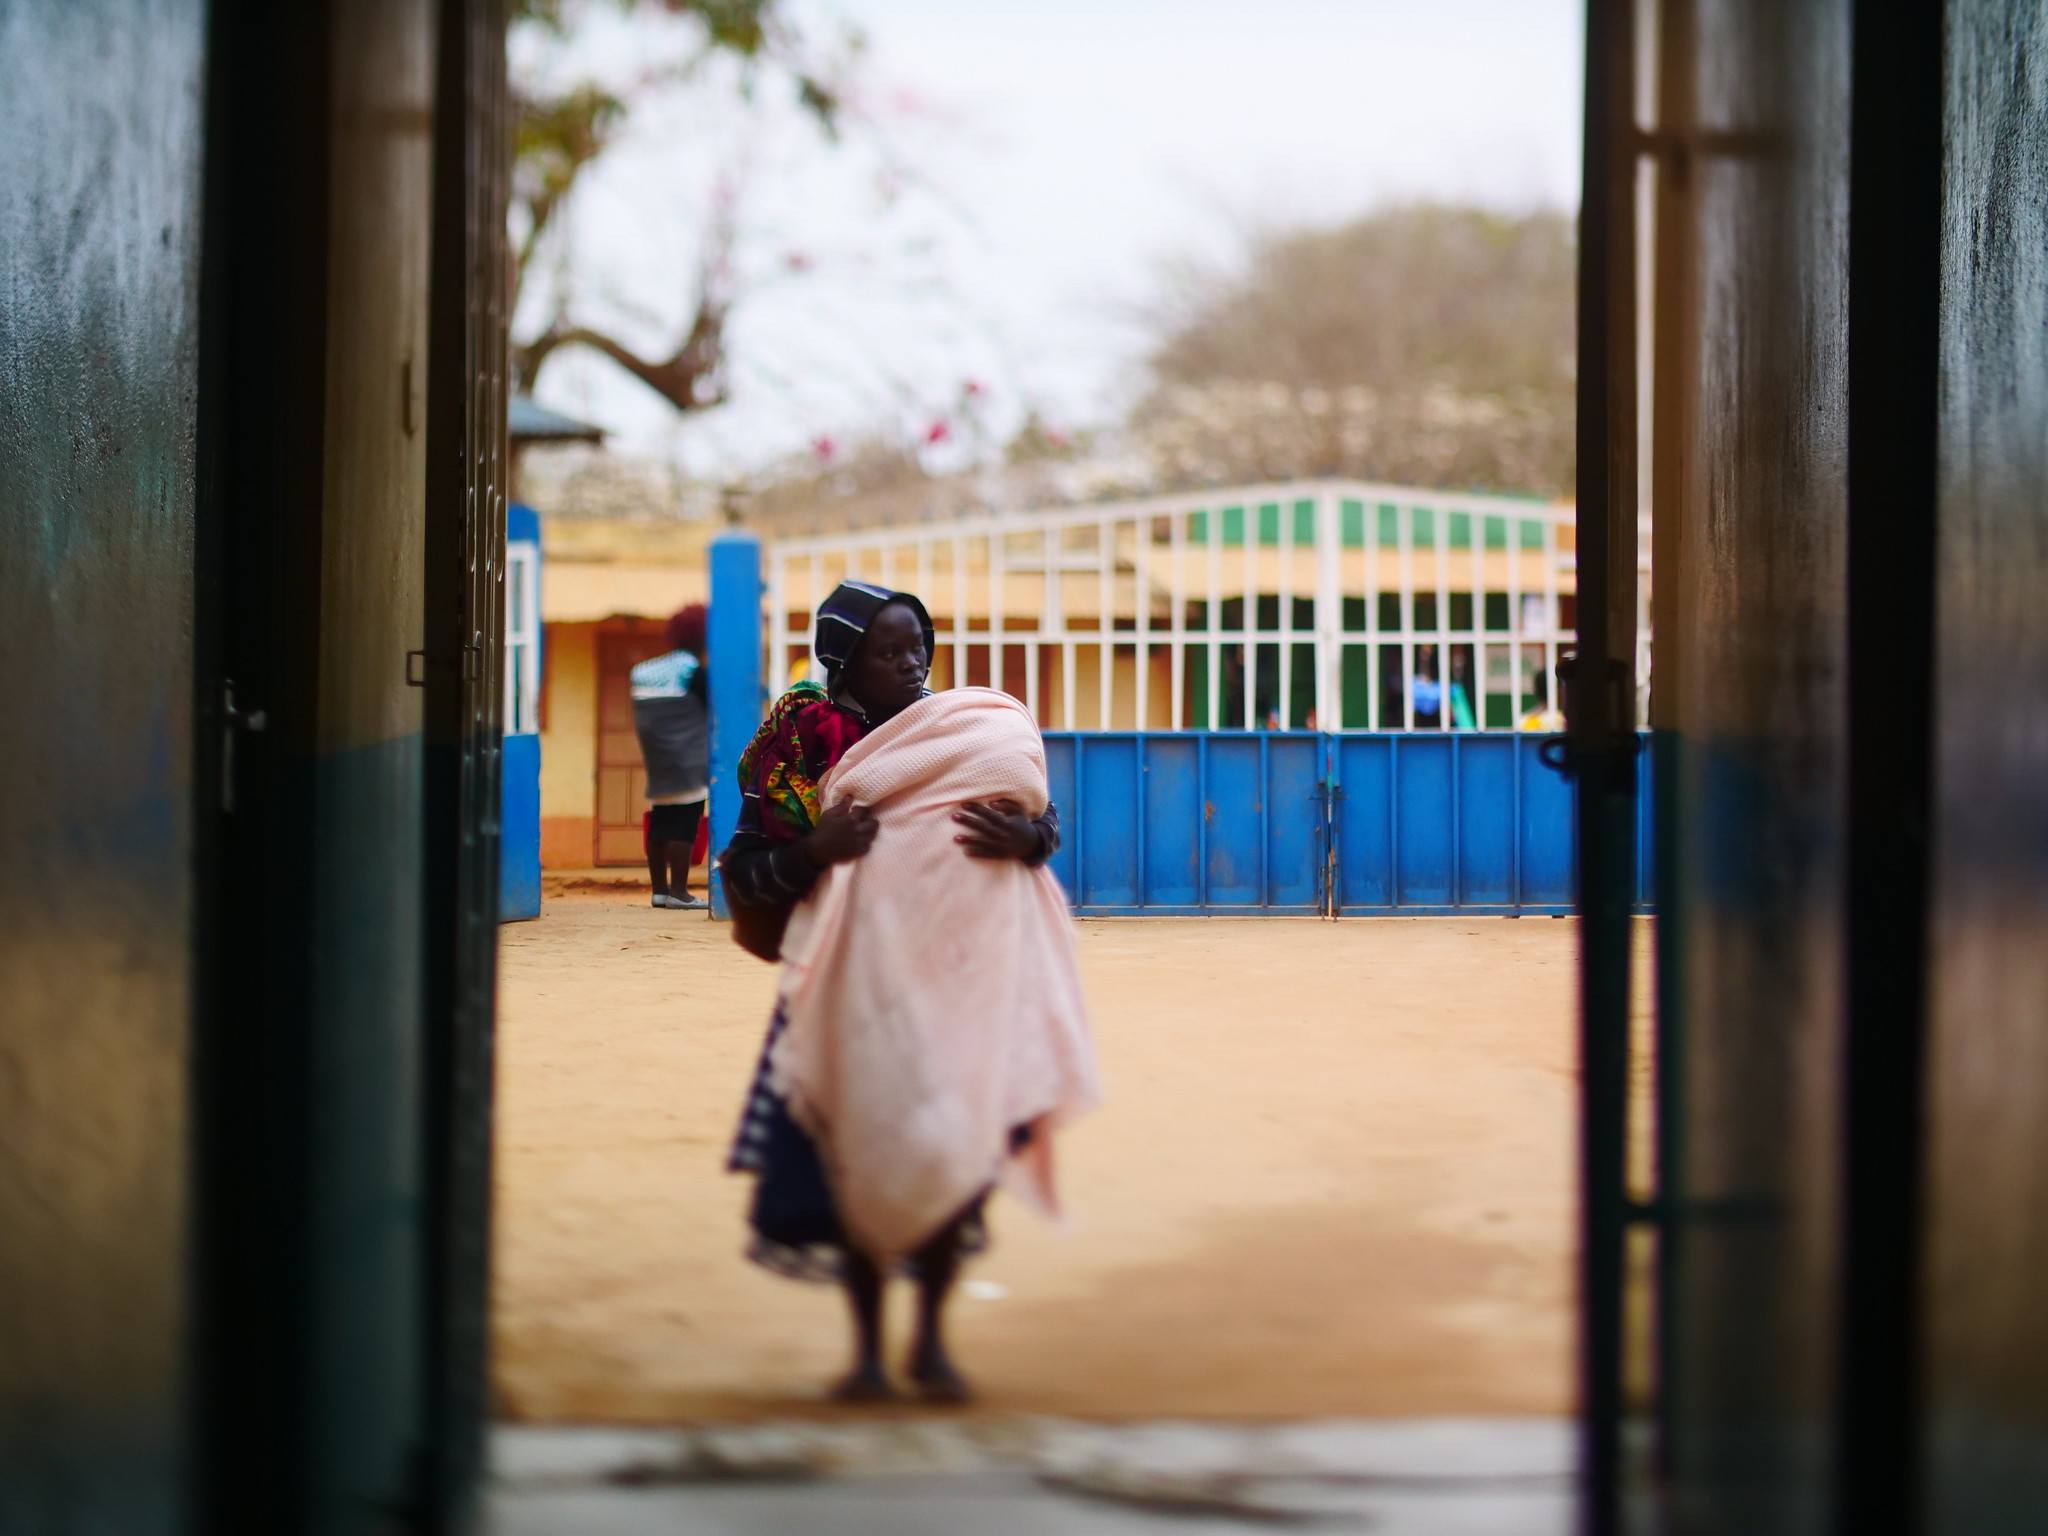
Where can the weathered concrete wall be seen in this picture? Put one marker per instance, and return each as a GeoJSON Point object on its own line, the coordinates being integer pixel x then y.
{"type": "Point", "coordinates": [1987, 1245]}
{"type": "Point", "coordinates": [1757, 765]}
{"type": "Point", "coordinates": [100, 193]}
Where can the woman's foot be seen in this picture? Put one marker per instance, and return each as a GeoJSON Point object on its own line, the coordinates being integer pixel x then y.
{"type": "Point", "coordinates": [938, 1379]}
{"type": "Point", "coordinates": [864, 1384]}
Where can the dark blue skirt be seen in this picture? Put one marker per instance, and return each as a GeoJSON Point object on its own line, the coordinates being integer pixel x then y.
{"type": "Point", "coordinates": [796, 1228]}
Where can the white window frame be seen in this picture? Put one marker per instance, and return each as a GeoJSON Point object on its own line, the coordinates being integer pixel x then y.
{"type": "Point", "coordinates": [522, 638]}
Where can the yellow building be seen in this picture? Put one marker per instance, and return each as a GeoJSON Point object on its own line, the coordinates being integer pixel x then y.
{"type": "Point", "coordinates": [606, 594]}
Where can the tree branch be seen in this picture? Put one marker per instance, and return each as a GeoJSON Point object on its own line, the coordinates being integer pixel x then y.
{"type": "Point", "coordinates": [540, 208]}
{"type": "Point", "coordinates": [690, 379]}
{"type": "Point", "coordinates": [560, 133]}
{"type": "Point", "coordinates": [686, 381]}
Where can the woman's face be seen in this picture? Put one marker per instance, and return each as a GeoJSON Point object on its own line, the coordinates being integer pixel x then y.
{"type": "Point", "coordinates": [888, 670]}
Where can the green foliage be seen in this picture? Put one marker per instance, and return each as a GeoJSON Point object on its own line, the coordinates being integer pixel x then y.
{"type": "Point", "coordinates": [1460, 298]}
{"type": "Point", "coordinates": [738, 26]}
{"type": "Point", "coordinates": [560, 134]}
{"type": "Point", "coordinates": [735, 25]}
{"type": "Point", "coordinates": [555, 138]}
{"type": "Point", "coordinates": [1427, 344]}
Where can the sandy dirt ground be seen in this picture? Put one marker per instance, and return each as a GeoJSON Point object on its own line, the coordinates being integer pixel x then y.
{"type": "Point", "coordinates": [1334, 1177]}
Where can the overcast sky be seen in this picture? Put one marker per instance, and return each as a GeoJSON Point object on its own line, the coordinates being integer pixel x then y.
{"type": "Point", "coordinates": [1014, 174]}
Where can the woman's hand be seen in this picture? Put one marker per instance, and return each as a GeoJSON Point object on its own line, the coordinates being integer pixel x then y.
{"type": "Point", "coordinates": [843, 834]}
{"type": "Point", "coordinates": [998, 830]}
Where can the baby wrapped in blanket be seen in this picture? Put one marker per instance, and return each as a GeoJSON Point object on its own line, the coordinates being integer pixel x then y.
{"type": "Point", "coordinates": [933, 1002]}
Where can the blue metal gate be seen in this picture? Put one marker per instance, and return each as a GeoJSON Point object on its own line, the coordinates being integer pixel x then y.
{"type": "Point", "coordinates": [1167, 825]}
{"type": "Point", "coordinates": [1288, 823]}
{"type": "Point", "coordinates": [1253, 823]}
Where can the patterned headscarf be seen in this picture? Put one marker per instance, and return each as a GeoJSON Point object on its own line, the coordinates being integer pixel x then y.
{"type": "Point", "coordinates": [808, 730]}
{"type": "Point", "coordinates": [845, 616]}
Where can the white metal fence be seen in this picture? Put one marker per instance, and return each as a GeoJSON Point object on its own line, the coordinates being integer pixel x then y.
{"type": "Point", "coordinates": [1314, 605]}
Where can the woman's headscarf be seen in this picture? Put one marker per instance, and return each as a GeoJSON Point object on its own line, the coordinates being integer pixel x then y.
{"type": "Point", "coordinates": [804, 734]}
{"type": "Point", "coordinates": [845, 616]}
{"type": "Point", "coordinates": [686, 628]}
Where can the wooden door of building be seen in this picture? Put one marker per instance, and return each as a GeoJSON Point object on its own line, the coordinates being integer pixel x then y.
{"type": "Point", "coordinates": [621, 776]}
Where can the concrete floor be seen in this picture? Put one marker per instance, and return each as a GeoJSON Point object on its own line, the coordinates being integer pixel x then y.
{"type": "Point", "coordinates": [1420, 1477]}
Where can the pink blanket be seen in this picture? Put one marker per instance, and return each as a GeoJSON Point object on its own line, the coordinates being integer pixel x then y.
{"type": "Point", "coordinates": [933, 1000]}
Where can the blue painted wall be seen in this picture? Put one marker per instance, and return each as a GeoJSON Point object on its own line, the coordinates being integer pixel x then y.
{"type": "Point", "coordinates": [365, 1127]}
{"type": "Point", "coordinates": [519, 771]}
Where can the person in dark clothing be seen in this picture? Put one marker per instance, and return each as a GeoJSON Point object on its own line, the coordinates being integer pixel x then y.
{"type": "Point", "coordinates": [875, 646]}
{"type": "Point", "coordinates": [673, 724]}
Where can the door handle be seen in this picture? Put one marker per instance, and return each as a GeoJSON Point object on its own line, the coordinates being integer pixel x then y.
{"type": "Point", "coordinates": [234, 721]}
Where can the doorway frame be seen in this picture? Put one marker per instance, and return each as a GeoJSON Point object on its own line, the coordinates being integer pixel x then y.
{"type": "Point", "coordinates": [1598, 687]}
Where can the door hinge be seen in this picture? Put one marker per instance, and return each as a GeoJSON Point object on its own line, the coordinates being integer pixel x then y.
{"type": "Point", "coordinates": [472, 665]}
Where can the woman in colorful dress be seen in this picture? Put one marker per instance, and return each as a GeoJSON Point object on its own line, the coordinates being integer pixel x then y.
{"type": "Point", "coordinates": [834, 1170]}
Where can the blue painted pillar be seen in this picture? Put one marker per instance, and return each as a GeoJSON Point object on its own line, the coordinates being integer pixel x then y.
{"type": "Point", "coordinates": [736, 704]}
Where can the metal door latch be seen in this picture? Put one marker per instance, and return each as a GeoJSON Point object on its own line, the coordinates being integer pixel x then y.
{"type": "Point", "coordinates": [1564, 754]}
{"type": "Point", "coordinates": [416, 664]}
{"type": "Point", "coordinates": [234, 721]}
